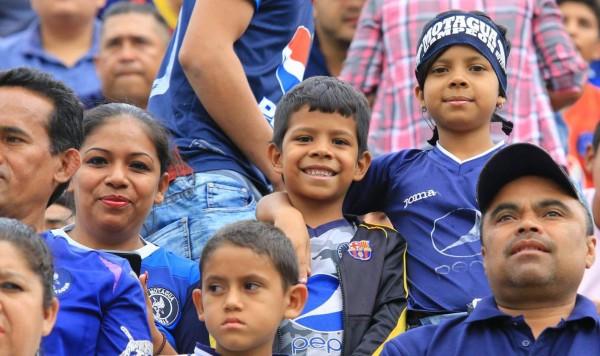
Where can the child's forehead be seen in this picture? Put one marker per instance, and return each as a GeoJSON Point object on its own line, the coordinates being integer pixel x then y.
{"type": "Point", "coordinates": [460, 52]}
{"type": "Point", "coordinates": [318, 119]}
{"type": "Point", "coordinates": [219, 260]}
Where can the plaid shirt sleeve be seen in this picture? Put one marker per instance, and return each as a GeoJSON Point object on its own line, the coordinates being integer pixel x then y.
{"type": "Point", "coordinates": [363, 63]}
{"type": "Point", "coordinates": [562, 68]}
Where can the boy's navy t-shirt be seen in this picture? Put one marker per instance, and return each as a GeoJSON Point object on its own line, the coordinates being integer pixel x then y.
{"type": "Point", "coordinates": [429, 196]}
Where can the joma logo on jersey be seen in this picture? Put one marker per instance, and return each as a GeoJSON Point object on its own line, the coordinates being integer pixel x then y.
{"type": "Point", "coordinates": [423, 195]}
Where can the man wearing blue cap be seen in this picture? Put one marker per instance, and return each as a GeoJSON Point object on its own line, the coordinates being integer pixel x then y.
{"type": "Point", "coordinates": [537, 240]}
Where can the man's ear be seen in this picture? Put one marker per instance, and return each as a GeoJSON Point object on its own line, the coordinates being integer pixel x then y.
{"type": "Point", "coordinates": [163, 185]}
{"type": "Point", "coordinates": [69, 163]}
{"type": "Point", "coordinates": [590, 155]}
{"type": "Point", "coordinates": [483, 253]}
{"type": "Point", "coordinates": [98, 65]}
{"type": "Point", "coordinates": [362, 165]}
{"type": "Point", "coordinates": [275, 156]}
{"type": "Point", "coordinates": [197, 297]}
{"type": "Point", "coordinates": [596, 51]}
{"type": "Point", "coordinates": [298, 294]}
{"type": "Point", "coordinates": [50, 317]}
{"type": "Point", "coordinates": [591, 256]}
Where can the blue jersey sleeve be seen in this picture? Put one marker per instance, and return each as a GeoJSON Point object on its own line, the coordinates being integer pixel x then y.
{"type": "Point", "coordinates": [125, 328]}
{"type": "Point", "coordinates": [391, 349]}
{"type": "Point", "coordinates": [374, 191]}
{"type": "Point", "coordinates": [101, 304]}
{"type": "Point", "coordinates": [368, 194]}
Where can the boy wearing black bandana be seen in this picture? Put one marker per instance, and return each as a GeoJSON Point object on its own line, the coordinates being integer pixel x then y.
{"type": "Point", "coordinates": [429, 195]}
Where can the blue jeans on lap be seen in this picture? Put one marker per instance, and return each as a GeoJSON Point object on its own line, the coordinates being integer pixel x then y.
{"type": "Point", "coordinates": [195, 207]}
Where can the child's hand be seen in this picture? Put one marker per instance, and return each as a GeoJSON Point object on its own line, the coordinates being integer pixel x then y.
{"type": "Point", "coordinates": [298, 234]}
{"type": "Point", "coordinates": [277, 209]}
{"type": "Point", "coordinates": [158, 338]}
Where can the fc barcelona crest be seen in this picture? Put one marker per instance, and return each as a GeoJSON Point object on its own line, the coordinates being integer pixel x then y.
{"type": "Point", "coordinates": [360, 250]}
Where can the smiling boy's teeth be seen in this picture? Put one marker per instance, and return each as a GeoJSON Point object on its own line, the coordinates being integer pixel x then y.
{"type": "Point", "coordinates": [319, 172]}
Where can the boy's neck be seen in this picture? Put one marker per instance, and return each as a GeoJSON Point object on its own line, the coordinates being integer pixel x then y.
{"type": "Point", "coordinates": [466, 145]}
{"type": "Point", "coordinates": [318, 212]}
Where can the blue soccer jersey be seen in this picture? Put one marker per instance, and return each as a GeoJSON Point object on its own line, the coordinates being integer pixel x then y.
{"type": "Point", "coordinates": [171, 280]}
{"type": "Point", "coordinates": [429, 197]}
{"type": "Point", "coordinates": [273, 51]}
{"type": "Point", "coordinates": [102, 307]}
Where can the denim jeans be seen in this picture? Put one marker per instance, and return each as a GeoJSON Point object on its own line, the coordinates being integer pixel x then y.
{"type": "Point", "coordinates": [415, 322]}
{"type": "Point", "coordinates": [436, 319]}
{"type": "Point", "coordinates": [195, 207]}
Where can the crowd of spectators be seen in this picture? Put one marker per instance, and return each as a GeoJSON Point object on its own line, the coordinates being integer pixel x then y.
{"type": "Point", "coordinates": [133, 131]}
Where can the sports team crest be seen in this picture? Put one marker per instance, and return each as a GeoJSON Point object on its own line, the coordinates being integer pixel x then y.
{"type": "Point", "coordinates": [61, 281]}
{"type": "Point", "coordinates": [164, 304]}
{"type": "Point", "coordinates": [360, 250]}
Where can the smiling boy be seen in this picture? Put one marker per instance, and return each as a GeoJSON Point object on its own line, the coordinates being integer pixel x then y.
{"type": "Point", "coordinates": [319, 148]}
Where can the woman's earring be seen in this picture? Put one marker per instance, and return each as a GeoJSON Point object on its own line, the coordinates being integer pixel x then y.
{"type": "Point", "coordinates": [499, 106]}
{"type": "Point", "coordinates": [423, 108]}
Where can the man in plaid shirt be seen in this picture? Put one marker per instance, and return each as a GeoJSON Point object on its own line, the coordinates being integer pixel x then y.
{"type": "Point", "coordinates": [545, 72]}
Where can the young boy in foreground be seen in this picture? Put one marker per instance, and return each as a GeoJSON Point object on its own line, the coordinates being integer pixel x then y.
{"type": "Point", "coordinates": [249, 285]}
{"type": "Point", "coordinates": [357, 290]}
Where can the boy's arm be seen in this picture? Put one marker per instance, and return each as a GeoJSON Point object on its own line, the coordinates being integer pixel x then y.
{"type": "Point", "coordinates": [370, 193]}
{"type": "Point", "coordinates": [277, 209]}
{"type": "Point", "coordinates": [389, 312]}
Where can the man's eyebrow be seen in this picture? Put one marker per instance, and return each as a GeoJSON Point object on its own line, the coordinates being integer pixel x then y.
{"type": "Point", "coordinates": [13, 130]}
{"type": "Point", "coordinates": [543, 204]}
{"type": "Point", "coordinates": [553, 202]}
{"type": "Point", "coordinates": [502, 207]}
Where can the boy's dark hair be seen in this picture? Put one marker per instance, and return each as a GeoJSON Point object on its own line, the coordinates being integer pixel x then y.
{"type": "Point", "coordinates": [100, 115]}
{"type": "Point", "coordinates": [64, 124]}
{"type": "Point", "coordinates": [33, 250]}
{"type": "Point", "coordinates": [127, 7]}
{"type": "Point", "coordinates": [264, 240]}
{"type": "Point", "coordinates": [327, 95]}
{"type": "Point", "coordinates": [593, 5]}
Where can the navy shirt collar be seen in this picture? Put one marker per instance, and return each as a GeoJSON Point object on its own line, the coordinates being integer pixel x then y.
{"type": "Point", "coordinates": [487, 310]}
